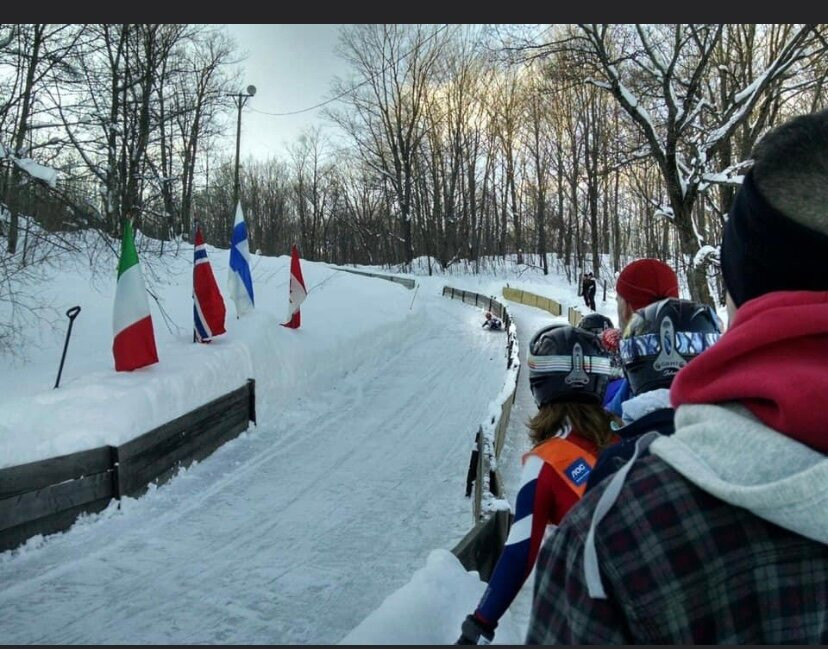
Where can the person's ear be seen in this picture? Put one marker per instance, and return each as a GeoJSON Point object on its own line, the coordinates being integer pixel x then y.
{"type": "Point", "coordinates": [731, 308]}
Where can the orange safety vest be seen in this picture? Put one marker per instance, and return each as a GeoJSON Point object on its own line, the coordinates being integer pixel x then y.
{"type": "Point", "coordinates": [570, 461]}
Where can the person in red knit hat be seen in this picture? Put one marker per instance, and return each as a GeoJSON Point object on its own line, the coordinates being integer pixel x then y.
{"type": "Point", "coordinates": [640, 284]}
{"type": "Point", "coordinates": [720, 534]}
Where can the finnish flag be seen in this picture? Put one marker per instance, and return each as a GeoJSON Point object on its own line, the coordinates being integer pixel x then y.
{"type": "Point", "coordinates": [241, 281]}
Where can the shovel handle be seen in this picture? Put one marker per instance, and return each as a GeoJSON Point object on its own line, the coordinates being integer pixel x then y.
{"type": "Point", "coordinates": [73, 312]}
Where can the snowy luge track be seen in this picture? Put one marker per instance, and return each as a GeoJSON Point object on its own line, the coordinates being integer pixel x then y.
{"type": "Point", "coordinates": [296, 530]}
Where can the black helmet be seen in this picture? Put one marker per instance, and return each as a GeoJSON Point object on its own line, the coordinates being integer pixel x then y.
{"type": "Point", "coordinates": [596, 323]}
{"type": "Point", "coordinates": [567, 364]}
{"type": "Point", "coordinates": [662, 338]}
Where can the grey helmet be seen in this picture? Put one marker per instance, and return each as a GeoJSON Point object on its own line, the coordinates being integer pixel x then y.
{"type": "Point", "coordinates": [596, 323]}
{"type": "Point", "coordinates": [662, 338]}
{"type": "Point", "coordinates": [567, 364]}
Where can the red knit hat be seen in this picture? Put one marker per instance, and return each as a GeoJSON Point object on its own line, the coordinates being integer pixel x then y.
{"type": "Point", "coordinates": [645, 281]}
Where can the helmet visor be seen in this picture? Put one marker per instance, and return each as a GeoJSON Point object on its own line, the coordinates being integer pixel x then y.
{"type": "Point", "coordinates": [688, 343]}
{"type": "Point", "coordinates": [560, 364]}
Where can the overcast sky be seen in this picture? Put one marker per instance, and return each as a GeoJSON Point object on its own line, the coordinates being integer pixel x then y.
{"type": "Point", "coordinates": [292, 67]}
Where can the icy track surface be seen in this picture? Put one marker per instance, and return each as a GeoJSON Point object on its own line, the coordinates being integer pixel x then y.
{"type": "Point", "coordinates": [296, 530]}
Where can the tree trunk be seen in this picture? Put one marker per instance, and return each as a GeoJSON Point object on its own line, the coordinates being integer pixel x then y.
{"type": "Point", "coordinates": [20, 137]}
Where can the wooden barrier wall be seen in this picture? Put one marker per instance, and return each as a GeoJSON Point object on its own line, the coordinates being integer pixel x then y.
{"type": "Point", "coordinates": [482, 545]}
{"type": "Point", "coordinates": [531, 299]}
{"type": "Point", "coordinates": [47, 496]}
{"type": "Point", "coordinates": [408, 283]}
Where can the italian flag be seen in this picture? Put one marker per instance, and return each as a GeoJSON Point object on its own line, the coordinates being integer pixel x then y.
{"type": "Point", "coordinates": [134, 343]}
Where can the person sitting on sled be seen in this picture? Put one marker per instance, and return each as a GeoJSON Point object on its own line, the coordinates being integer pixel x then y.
{"type": "Point", "coordinates": [492, 322]}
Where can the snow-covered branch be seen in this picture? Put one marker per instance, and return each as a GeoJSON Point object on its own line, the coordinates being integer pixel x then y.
{"type": "Point", "coordinates": [745, 99]}
{"type": "Point", "coordinates": [705, 256]}
{"type": "Point", "coordinates": [32, 168]}
{"type": "Point", "coordinates": [603, 85]}
{"type": "Point", "coordinates": [663, 210]}
{"type": "Point", "coordinates": [733, 175]}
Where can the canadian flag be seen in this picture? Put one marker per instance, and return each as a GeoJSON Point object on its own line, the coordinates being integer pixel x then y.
{"type": "Point", "coordinates": [298, 293]}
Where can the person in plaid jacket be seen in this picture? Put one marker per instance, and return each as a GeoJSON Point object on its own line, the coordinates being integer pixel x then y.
{"type": "Point", "coordinates": [720, 535]}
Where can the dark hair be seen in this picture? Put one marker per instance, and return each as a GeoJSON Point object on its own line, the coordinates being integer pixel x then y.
{"type": "Point", "coordinates": [590, 420]}
{"type": "Point", "coordinates": [595, 322]}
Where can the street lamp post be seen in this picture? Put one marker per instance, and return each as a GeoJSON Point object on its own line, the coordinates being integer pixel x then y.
{"type": "Point", "coordinates": [240, 99]}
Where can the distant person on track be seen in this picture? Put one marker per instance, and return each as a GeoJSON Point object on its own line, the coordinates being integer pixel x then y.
{"type": "Point", "coordinates": [493, 323]}
{"type": "Point", "coordinates": [588, 288]}
{"type": "Point", "coordinates": [568, 372]}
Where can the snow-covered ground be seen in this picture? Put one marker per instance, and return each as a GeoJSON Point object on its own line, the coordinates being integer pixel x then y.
{"type": "Point", "coordinates": [331, 520]}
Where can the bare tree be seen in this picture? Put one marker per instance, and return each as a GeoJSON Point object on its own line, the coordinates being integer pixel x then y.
{"type": "Point", "coordinates": [393, 64]}
{"type": "Point", "coordinates": [657, 74]}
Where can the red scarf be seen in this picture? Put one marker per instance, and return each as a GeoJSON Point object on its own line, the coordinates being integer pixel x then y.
{"type": "Point", "coordinates": [774, 361]}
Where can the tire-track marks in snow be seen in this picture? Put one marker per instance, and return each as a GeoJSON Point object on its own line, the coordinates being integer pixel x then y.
{"type": "Point", "coordinates": [228, 476]}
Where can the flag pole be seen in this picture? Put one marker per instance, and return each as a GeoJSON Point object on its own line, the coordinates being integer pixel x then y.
{"type": "Point", "coordinates": [235, 210]}
{"type": "Point", "coordinates": [192, 238]}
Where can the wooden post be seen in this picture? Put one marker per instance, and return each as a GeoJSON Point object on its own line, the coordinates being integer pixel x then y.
{"type": "Point", "coordinates": [117, 490]}
{"type": "Point", "coordinates": [251, 386]}
{"type": "Point", "coordinates": [478, 488]}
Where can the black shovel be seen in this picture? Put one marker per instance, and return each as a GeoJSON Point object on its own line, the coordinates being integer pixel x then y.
{"type": "Point", "coordinates": [72, 314]}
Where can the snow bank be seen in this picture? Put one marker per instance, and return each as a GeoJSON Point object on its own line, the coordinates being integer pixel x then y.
{"type": "Point", "coordinates": [97, 406]}
{"type": "Point", "coordinates": [430, 608]}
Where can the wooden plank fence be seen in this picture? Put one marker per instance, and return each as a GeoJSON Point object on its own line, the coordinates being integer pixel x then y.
{"type": "Point", "coordinates": [408, 283]}
{"type": "Point", "coordinates": [531, 299]}
{"type": "Point", "coordinates": [154, 457]}
{"type": "Point", "coordinates": [574, 316]}
{"type": "Point", "coordinates": [47, 496]}
{"type": "Point", "coordinates": [481, 546]}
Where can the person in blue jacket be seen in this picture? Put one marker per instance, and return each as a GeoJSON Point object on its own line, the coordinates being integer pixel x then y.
{"type": "Point", "coordinates": [659, 340]}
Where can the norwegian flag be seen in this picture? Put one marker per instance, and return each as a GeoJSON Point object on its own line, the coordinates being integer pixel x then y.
{"type": "Point", "coordinates": [298, 293]}
{"type": "Point", "coordinates": [208, 305]}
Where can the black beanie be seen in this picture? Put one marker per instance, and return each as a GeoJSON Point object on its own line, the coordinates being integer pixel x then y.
{"type": "Point", "coordinates": [763, 250]}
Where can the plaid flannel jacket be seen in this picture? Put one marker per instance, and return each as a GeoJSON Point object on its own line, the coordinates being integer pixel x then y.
{"type": "Point", "coordinates": [679, 567]}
